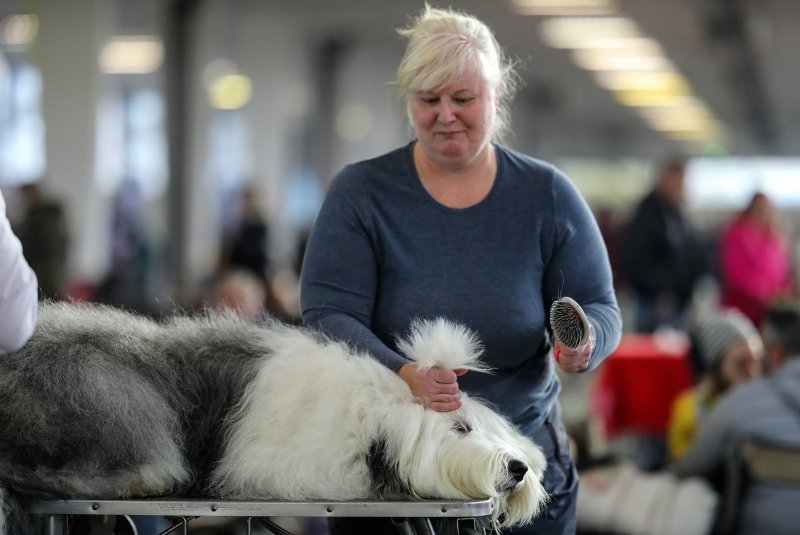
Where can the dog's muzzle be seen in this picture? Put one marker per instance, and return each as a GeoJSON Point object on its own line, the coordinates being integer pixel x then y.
{"type": "Point", "coordinates": [516, 473]}
{"type": "Point", "coordinates": [517, 469]}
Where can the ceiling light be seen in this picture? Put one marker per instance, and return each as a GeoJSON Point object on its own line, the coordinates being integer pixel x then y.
{"type": "Point", "coordinates": [565, 7]}
{"type": "Point", "coordinates": [681, 123]}
{"type": "Point", "coordinates": [693, 135]}
{"type": "Point", "coordinates": [354, 122]}
{"type": "Point", "coordinates": [650, 97]}
{"type": "Point", "coordinates": [230, 92]}
{"type": "Point", "coordinates": [19, 30]}
{"type": "Point", "coordinates": [620, 60]}
{"type": "Point", "coordinates": [685, 124]}
{"type": "Point", "coordinates": [682, 101]}
{"type": "Point", "coordinates": [638, 45]}
{"type": "Point", "coordinates": [578, 32]}
{"type": "Point", "coordinates": [688, 107]}
{"type": "Point", "coordinates": [657, 80]}
{"type": "Point", "coordinates": [133, 54]}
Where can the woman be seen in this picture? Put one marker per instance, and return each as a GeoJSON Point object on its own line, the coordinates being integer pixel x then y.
{"type": "Point", "coordinates": [754, 260]}
{"type": "Point", "coordinates": [731, 352]}
{"type": "Point", "coordinates": [457, 226]}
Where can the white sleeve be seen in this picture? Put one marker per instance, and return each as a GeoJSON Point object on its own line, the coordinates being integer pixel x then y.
{"type": "Point", "coordinates": [18, 290]}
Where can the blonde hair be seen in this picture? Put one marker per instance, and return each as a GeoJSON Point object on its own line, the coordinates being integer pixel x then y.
{"type": "Point", "coordinates": [443, 47]}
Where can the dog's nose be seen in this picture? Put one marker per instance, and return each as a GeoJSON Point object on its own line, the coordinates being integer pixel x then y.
{"type": "Point", "coordinates": [517, 469]}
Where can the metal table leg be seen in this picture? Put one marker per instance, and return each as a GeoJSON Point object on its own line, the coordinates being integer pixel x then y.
{"type": "Point", "coordinates": [55, 525]}
{"type": "Point", "coordinates": [404, 526]}
{"type": "Point", "coordinates": [423, 526]}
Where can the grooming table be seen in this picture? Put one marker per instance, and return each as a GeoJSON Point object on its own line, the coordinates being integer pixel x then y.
{"type": "Point", "coordinates": [411, 518]}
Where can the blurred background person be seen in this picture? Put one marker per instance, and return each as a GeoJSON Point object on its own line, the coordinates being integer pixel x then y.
{"type": "Point", "coordinates": [42, 231]}
{"type": "Point", "coordinates": [754, 259]}
{"type": "Point", "coordinates": [767, 410]}
{"type": "Point", "coordinates": [245, 246]}
{"type": "Point", "coordinates": [18, 289]}
{"type": "Point", "coordinates": [661, 253]}
{"type": "Point", "coordinates": [731, 352]}
{"type": "Point", "coordinates": [241, 292]}
{"type": "Point", "coordinates": [129, 281]}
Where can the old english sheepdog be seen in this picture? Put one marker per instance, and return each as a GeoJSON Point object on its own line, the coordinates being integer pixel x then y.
{"type": "Point", "coordinates": [103, 404]}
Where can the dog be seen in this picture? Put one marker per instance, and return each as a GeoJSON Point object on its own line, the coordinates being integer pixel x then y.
{"type": "Point", "coordinates": [105, 404]}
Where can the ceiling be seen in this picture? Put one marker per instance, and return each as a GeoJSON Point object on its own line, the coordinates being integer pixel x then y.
{"type": "Point", "coordinates": [740, 57]}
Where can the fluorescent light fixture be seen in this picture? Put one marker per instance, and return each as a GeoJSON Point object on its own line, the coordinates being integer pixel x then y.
{"type": "Point", "coordinates": [680, 122]}
{"type": "Point", "coordinates": [620, 60]}
{"type": "Point", "coordinates": [565, 7]}
{"type": "Point", "coordinates": [631, 45]}
{"type": "Point", "coordinates": [354, 122]}
{"type": "Point", "coordinates": [689, 106]}
{"type": "Point", "coordinates": [685, 124]}
{"type": "Point", "coordinates": [230, 92]}
{"type": "Point", "coordinates": [631, 65]}
{"type": "Point", "coordinates": [692, 135]}
{"type": "Point", "coordinates": [671, 105]}
{"type": "Point", "coordinates": [19, 30]}
{"type": "Point", "coordinates": [647, 80]}
{"type": "Point", "coordinates": [132, 54]}
{"type": "Point", "coordinates": [651, 97]}
{"type": "Point", "coordinates": [579, 32]}
{"type": "Point", "coordinates": [677, 116]}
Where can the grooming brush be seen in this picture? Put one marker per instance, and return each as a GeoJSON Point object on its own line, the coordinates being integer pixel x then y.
{"type": "Point", "coordinates": [569, 323]}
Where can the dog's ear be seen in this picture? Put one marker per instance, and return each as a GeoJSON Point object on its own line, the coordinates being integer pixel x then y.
{"type": "Point", "coordinates": [440, 343]}
{"type": "Point", "coordinates": [386, 481]}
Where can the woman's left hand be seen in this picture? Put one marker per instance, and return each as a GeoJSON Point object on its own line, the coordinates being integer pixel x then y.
{"type": "Point", "coordinates": [574, 360]}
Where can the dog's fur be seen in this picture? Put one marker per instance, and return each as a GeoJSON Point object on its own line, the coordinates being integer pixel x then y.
{"type": "Point", "coordinates": [104, 404]}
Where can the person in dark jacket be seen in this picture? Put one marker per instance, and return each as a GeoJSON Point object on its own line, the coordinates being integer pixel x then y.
{"type": "Point", "coordinates": [45, 240]}
{"type": "Point", "coordinates": [661, 253]}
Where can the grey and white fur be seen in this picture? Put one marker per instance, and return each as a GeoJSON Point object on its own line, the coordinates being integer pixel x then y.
{"type": "Point", "coordinates": [103, 404]}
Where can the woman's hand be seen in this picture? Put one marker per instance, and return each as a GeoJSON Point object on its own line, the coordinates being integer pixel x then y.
{"type": "Point", "coordinates": [434, 388]}
{"type": "Point", "coordinates": [574, 360]}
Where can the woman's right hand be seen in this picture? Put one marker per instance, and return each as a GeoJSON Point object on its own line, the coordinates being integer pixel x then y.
{"type": "Point", "coordinates": [434, 388]}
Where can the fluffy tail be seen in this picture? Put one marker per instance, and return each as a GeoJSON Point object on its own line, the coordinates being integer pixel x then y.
{"type": "Point", "coordinates": [440, 343]}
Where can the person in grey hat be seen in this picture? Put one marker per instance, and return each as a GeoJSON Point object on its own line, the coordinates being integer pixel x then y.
{"type": "Point", "coordinates": [765, 410]}
{"type": "Point", "coordinates": [731, 352]}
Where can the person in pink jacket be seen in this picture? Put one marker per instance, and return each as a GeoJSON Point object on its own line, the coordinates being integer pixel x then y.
{"type": "Point", "coordinates": [754, 260]}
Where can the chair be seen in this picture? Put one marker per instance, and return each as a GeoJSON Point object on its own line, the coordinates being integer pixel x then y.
{"type": "Point", "coordinates": [755, 461]}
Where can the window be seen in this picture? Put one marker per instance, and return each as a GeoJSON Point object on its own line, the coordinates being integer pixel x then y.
{"type": "Point", "coordinates": [22, 154]}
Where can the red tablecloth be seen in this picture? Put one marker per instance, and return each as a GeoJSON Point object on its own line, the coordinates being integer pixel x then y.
{"type": "Point", "coordinates": [638, 383]}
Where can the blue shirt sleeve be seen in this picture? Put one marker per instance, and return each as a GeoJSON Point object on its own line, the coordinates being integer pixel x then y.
{"type": "Point", "coordinates": [340, 270]}
{"type": "Point", "coordinates": [579, 267]}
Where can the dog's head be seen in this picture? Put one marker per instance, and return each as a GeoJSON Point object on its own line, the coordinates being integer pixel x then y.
{"type": "Point", "coordinates": [470, 453]}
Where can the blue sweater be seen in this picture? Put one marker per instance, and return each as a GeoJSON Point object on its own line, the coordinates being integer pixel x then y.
{"type": "Point", "coordinates": [383, 252]}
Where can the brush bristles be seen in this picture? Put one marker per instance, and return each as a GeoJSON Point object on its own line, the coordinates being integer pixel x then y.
{"type": "Point", "coordinates": [568, 322]}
